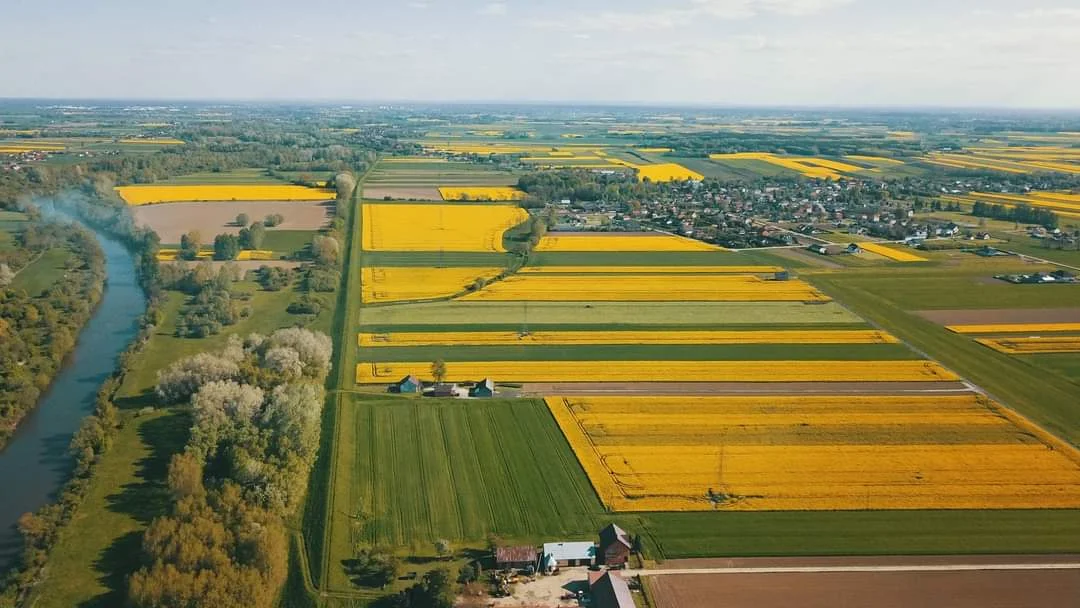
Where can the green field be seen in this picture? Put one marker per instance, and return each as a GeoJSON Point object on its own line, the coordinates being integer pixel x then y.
{"type": "Point", "coordinates": [410, 471]}
{"type": "Point", "coordinates": [40, 274]}
{"type": "Point", "coordinates": [387, 175]}
{"type": "Point", "coordinates": [695, 314]}
{"type": "Point", "coordinates": [890, 302]}
{"type": "Point", "coordinates": [288, 242]}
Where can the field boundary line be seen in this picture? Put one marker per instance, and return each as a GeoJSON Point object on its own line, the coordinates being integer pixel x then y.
{"type": "Point", "coordinates": [842, 569]}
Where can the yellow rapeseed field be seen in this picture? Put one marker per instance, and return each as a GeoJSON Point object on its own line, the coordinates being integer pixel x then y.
{"type": "Point", "coordinates": [255, 255]}
{"type": "Point", "coordinates": [1013, 328]}
{"type": "Point", "coordinates": [646, 288]}
{"type": "Point", "coordinates": [377, 372]}
{"type": "Point", "coordinates": [896, 255]}
{"type": "Point", "coordinates": [148, 195]}
{"type": "Point", "coordinates": [801, 452]}
{"type": "Point", "coordinates": [172, 255]}
{"type": "Point", "coordinates": [1033, 345]}
{"type": "Point", "coordinates": [487, 338]}
{"type": "Point", "coordinates": [654, 150]}
{"type": "Point", "coordinates": [435, 227]}
{"type": "Point", "coordinates": [398, 284]}
{"type": "Point", "coordinates": [666, 172]}
{"type": "Point", "coordinates": [612, 241]}
{"type": "Point", "coordinates": [651, 269]}
{"type": "Point", "coordinates": [480, 193]}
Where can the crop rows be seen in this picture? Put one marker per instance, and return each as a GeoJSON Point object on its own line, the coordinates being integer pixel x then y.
{"type": "Point", "coordinates": [629, 337]}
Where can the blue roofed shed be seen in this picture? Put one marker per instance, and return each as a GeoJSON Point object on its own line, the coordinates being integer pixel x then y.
{"type": "Point", "coordinates": [484, 388]}
{"type": "Point", "coordinates": [560, 555]}
{"type": "Point", "coordinates": [408, 384]}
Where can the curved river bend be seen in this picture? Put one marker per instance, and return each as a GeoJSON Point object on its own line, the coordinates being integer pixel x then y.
{"type": "Point", "coordinates": [36, 463]}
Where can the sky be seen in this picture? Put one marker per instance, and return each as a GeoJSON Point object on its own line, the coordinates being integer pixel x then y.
{"type": "Point", "coordinates": [933, 53]}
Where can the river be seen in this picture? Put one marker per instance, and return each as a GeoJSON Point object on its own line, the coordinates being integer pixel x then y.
{"type": "Point", "coordinates": [36, 462]}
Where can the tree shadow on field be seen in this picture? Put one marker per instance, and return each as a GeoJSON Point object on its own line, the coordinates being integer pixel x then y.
{"type": "Point", "coordinates": [143, 499]}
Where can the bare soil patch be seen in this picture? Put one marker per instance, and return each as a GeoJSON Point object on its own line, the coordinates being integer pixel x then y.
{"type": "Point", "coordinates": [882, 560]}
{"type": "Point", "coordinates": [172, 220]}
{"type": "Point", "coordinates": [402, 193]}
{"type": "Point", "coordinates": [1002, 315]}
{"type": "Point", "coordinates": [740, 388]}
{"type": "Point", "coordinates": [960, 589]}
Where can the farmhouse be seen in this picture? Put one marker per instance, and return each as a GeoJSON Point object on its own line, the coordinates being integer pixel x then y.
{"type": "Point", "coordinates": [609, 590]}
{"type": "Point", "coordinates": [615, 546]}
{"type": "Point", "coordinates": [484, 389]}
{"type": "Point", "coordinates": [569, 554]}
{"type": "Point", "coordinates": [515, 558]}
{"type": "Point", "coordinates": [446, 390]}
{"type": "Point", "coordinates": [408, 384]}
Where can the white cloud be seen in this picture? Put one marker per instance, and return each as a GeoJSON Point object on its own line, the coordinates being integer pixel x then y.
{"type": "Point", "coordinates": [1050, 13]}
{"type": "Point", "coordinates": [494, 9]}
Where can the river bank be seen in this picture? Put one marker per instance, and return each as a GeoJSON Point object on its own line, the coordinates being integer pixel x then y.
{"type": "Point", "coordinates": [36, 462]}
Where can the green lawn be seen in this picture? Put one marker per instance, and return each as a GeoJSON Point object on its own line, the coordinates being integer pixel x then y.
{"type": "Point", "coordinates": [532, 314]}
{"type": "Point", "coordinates": [43, 272]}
{"type": "Point", "coordinates": [288, 242]}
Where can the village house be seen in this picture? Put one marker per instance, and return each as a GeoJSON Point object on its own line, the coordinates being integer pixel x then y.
{"type": "Point", "coordinates": [615, 546]}
{"type": "Point", "coordinates": [609, 590]}
{"type": "Point", "coordinates": [515, 558]}
{"type": "Point", "coordinates": [408, 384]}
{"type": "Point", "coordinates": [483, 389]}
{"type": "Point", "coordinates": [567, 555]}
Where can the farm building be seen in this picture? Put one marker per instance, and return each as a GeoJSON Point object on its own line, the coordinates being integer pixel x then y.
{"type": "Point", "coordinates": [854, 248]}
{"type": "Point", "coordinates": [483, 388]}
{"type": "Point", "coordinates": [615, 546]}
{"type": "Point", "coordinates": [408, 384]}
{"type": "Point", "coordinates": [560, 555]}
{"type": "Point", "coordinates": [609, 590]}
{"type": "Point", "coordinates": [507, 558]}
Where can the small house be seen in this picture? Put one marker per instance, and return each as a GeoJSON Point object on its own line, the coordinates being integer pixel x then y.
{"type": "Point", "coordinates": [515, 558]}
{"type": "Point", "coordinates": [609, 590]}
{"type": "Point", "coordinates": [408, 384]}
{"type": "Point", "coordinates": [567, 555]}
{"type": "Point", "coordinates": [854, 248]}
{"type": "Point", "coordinates": [615, 546]}
{"type": "Point", "coordinates": [483, 389]}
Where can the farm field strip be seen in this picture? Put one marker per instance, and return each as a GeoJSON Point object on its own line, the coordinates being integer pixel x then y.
{"type": "Point", "coordinates": [815, 453]}
{"type": "Point", "coordinates": [397, 284]}
{"type": "Point", "coordinates": [480, 193]}
{"type": "Point", "coordinates": [435, 227]}
{"type": "Point", "coordinates": [148, 195]}
{"type": "Point", "coordinates": [650, 269]}
{"type": "Point", "coordinates": [893, 254]}
{"type": "Point", "coordinates": [819, 168]}
{"type": "Point", "coordinates": [628, 337]}
{"type": "Point", "coordinates": [584, 242]}
{"type": "Point", "coordinates": [629, 314]}
{"type": "Point", "coordinates": [645, 288]}
{"type": "Point", "coordinates": [376, 372]}
{"type": "Point", "coordinates": [1013, 328]}
{"type": "Point", "coordinates": [1033, 345]}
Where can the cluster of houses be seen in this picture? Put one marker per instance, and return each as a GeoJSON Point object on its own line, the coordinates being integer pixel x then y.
{"type": "Point", "coordinates": [607, 588]}
{"type": "Point", "coordinates": [412, 385]}
{"type": "Point", "coordinates": [1058, 277]}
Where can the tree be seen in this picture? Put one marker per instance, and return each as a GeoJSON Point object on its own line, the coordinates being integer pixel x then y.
{"type": "Point", "coordinates": [6, 275]}
{"type": "Point", "coordinates": [243, 219]}
{"type": "Point", "coordinates": [252, 238]}
{"type": "Point", "coordinates": [226, 247]}
{"type": "Point", "coordinates": [185, 476]}
{"type": "Point", "coordinates": [274, 219]}
{"type": "Point", "coordinates": [190, 244]}
{"type": "Point", "coordinates": [438, 370]}
{"type": "Point", "coordinates": [325, 249]}
{"type": "Point", "coordinates": [443, 548]}
{"type": "Point", "coordinates": [184, 378]}
{"type": "Point", "coordinates": [345, 184]}
{"type": "Point", "coordinates": [314, 348]}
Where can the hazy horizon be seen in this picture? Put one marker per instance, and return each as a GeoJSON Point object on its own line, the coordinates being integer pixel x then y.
{"type": "Point", "coordinates": [814, 54]}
